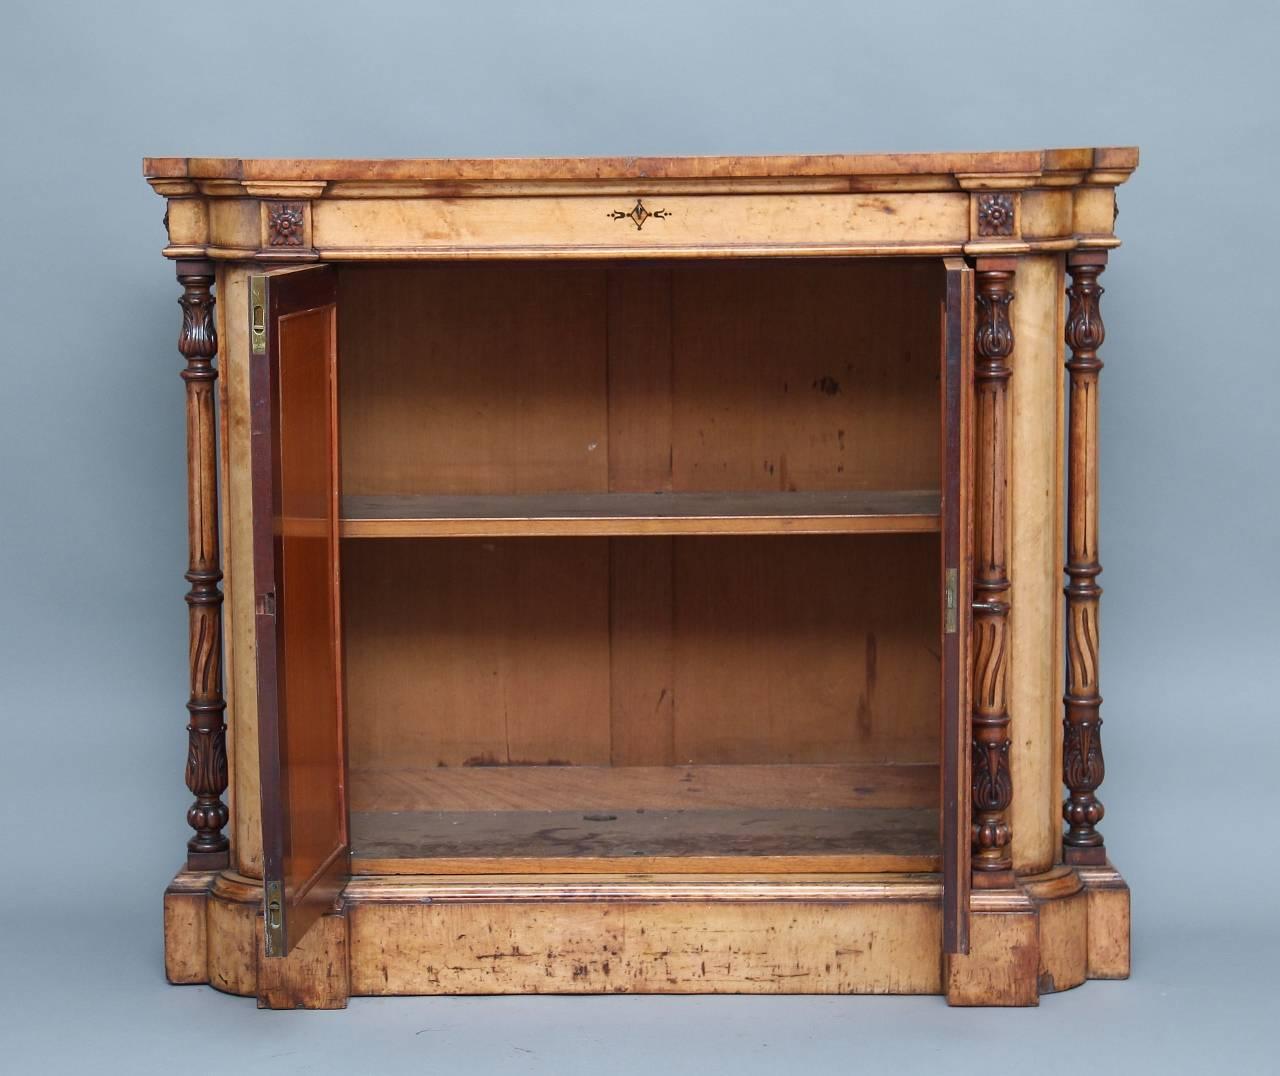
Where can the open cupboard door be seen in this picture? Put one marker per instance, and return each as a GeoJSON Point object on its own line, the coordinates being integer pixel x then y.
{"type": "Point", "coordinates": [957, 515]}
{"type": "Point", "coordinates": [302, 735]}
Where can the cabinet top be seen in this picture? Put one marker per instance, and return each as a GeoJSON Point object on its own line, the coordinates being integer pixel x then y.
{"type": "Point", "coordinates": [1018, 168]}
{"type": "Point", "coordinates": [992, 204]}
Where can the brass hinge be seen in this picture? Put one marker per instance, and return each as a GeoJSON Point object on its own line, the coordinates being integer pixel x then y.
{"type": "Point", "coordinates": [952, 616]}
{"type": "Point", "coordinates": [274, 915]}
{"type": "Point", "coordinates": [258, 315]}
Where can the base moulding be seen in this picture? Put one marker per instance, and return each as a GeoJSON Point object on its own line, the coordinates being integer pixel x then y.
{"type": "Point", "coordinates": [653, 934]}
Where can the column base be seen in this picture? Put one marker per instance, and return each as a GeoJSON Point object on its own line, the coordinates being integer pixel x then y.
{"type": "Point", "coordinates": [1052, 932]}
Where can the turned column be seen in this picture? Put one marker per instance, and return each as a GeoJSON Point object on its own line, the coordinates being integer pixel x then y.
{"type": "Point", "coordinates": [1082, 765]}
{"type": "Point", "coordinates": [206, 730]}
{"type": "Point", "coordinates": [992, 780]}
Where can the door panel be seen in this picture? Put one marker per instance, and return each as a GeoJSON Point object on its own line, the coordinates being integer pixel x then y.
{"type": "Point", "coordinates": [956, 570]}
{"type": "Point", "coordinates": [298, 617]}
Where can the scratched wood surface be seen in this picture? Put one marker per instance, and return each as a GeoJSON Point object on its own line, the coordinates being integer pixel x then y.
{"type": "Point", "coordinates": [603, 946]}
{"type": "Point", "coordinates": [749, 932]}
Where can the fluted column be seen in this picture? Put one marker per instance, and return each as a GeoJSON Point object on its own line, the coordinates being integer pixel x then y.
{"type": "Point", "coordinates": [992, 779]}
{"type": "Point", "coordinates": [1082, 764]}
{"type": "Point", "coordinates": [206, 771]}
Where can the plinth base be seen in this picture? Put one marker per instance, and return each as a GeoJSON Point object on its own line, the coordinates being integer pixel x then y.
{"type": "Point", "coordinates": [652, 934]}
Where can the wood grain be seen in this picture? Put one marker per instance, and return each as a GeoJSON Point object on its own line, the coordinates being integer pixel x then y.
{"type": "Point", "coordinates": [656, 787]}
{"type": "Point", "coordinates": [237, 538]}
{"type": "Point", "coordinates": [805, 376]}
{"type": "Point", "coordinates": [818, 649]}
{"type": "Point", "coordinates": [1108, 915]}
{"type": "Point", "coordinates": [1083, 766]}
{"type": "Point", "coordinates": [302, 728]}
{"type": "Point", "coordinates": [311, 689]}
{"type": "Point", "coordinates": [473, 379]}
{"type": "Point", "coordinates": [478, 652]}
{"type": "Point", "coordinates": [594, 840]}
{"type": "Point", "coordinates": [546, 210]}
{"type": "Point", "coordinates": [744, 933]}
{"type": "Point", "coordinates": [955, 586]}
{"type": "Point", "coordinates": [235, 907]}
{"type": "Point", "coordinates": [731, 377]}
{"type": "Point", "coordinates": [1035, 561]}
{"type": "Point", "coordinates": [640, 370]}
{"type": "Point", "coordinates": [186, 934]}
{"type": "Point", "coordinates": [992, 777]}
{"type": "Point", "coordinates": [470, 651]}
{"type": "Point", "coordinates": [207, 769]}
{"type": "Point", "coordinates": [642, 687]}
{"type": "Point", "coordinates": [1019, 163]}
{"type": "Point", "coordinates": [595, 946]}
{"type": "Point", "coordinates": [1002, 966]}
{"type": "Point", "coordinates": [585, 225]}
{"type": "Point", "coordinates": [1061, 904]}
{"type": "Point", "coordinates": [315, 974]}
{"type": "Point", "coordinates": [716, 691]}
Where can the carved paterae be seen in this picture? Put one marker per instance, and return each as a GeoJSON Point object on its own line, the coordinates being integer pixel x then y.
{"type": "Point", "coordinates": [285, 224]}
{"type": "Point", "coordinates": [995, 213]}
{"type": "Point", "coordinates": [992, 780]}
{"type": "Point", "coordinates": [638, 214]}
{"type": "Point", "coordinates": [1083, 767]}
{"type": "Point", "coordinates": [206, 771]}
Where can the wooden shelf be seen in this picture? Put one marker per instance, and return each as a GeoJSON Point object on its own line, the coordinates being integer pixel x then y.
{"type": "Point", "coordinates": [680, 819]}
{"type": "Point", "coordinates": [601, 841]}
{"type": "Point", "coordinates": [621, 514]}
{"type": "Point", "coordinates": [556, 788]}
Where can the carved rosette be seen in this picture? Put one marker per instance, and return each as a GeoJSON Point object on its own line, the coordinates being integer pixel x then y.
{"type": "Point", "coordinates": [992, 785]}
{"type": "Point", "coordinates": [1083, 767]}
{"type": "Point", "coordinates": [995, 213]}
{"type": "Point", "coordinates": [206, 771]}
{"type": "Point", "coordinates": [285, 224]}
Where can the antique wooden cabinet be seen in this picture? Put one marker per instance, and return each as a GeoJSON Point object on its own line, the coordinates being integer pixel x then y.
{"type": "Point", "coordinates": [644, 575]}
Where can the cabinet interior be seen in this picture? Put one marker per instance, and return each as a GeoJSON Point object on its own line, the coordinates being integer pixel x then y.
{"type": "Point", "coordinates": [642, 565]}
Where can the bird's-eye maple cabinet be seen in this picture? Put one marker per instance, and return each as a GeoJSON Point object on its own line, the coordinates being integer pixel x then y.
{"type": "Point", "coordinates": [646, 574]}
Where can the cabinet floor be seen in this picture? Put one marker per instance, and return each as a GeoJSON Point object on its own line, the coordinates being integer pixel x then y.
{"type": "Point", "coordinates": [589, 819]}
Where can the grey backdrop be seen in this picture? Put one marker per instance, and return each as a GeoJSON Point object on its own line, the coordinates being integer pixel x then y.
{"type": "Point", "coordinates": [92, 546]}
